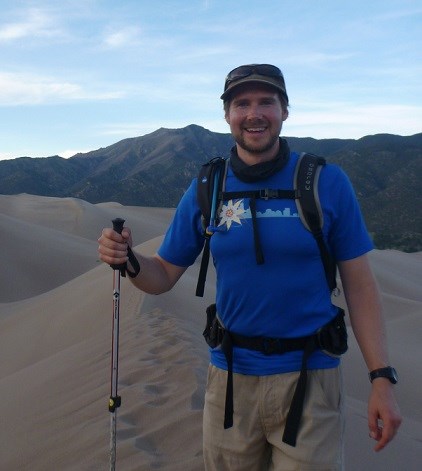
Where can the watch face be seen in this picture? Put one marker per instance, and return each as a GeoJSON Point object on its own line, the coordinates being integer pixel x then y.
{"type": "Point", "coordinates": [394, 378]}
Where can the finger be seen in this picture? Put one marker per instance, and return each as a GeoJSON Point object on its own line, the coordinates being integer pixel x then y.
{"type": "Point", "coordinates": [108, 233]}
{"type": "Point", "coordinates": [126, 233]}
{"type": "Point", "coordinates": [110, 250]}
{"type": "Point", "coordinates": [376, 434]}
{"type": "Point", "coordinates": [373, 425]}
{"type": "Point", "coordinates": [113, 240]}
{"type": "Point", "coordinates": [127, 236]}
{"type": "Point", "coordinates": [113, 256]}
{"type": "Point", "coordinates": [386, 434]}
{"type": "Point", "coordinates": [385, 438]}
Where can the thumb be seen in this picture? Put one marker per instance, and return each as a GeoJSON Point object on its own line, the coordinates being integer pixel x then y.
{"type": "Point", "coordinates": [375, 430]}
{"type": "Point", "coordinates": [127, 235]}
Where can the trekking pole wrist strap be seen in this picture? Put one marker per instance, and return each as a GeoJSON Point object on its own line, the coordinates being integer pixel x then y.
{"type": "Point", "coordinates": [123, 267]}
{"type": "Point", "coordinates": [118, 226]}
{"type": "Point", "coordinates": [135, 264]}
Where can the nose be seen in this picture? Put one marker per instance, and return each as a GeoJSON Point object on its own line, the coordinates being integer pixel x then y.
{"type": "Point", "coordinates": [254, 111]}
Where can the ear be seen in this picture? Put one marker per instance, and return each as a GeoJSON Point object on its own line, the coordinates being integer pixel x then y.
{"type": "Point", "coordinates": [285, 114]}
{"type": "Point", "coordinates": [226, 117]}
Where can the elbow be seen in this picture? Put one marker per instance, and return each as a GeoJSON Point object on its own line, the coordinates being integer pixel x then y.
{"type": "Point", "coordinates": [161, 290]}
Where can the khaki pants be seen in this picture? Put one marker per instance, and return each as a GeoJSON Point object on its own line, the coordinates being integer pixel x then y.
{"type": "Point", "coordinates": [261, 403]}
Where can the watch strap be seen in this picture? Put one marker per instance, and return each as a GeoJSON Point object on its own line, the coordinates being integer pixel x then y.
{"type": "Point", "coordinates": [388, 372]}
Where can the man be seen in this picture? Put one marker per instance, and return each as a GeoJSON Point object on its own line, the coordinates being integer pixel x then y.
{"type": "Point", "coordinates": [281, 294]}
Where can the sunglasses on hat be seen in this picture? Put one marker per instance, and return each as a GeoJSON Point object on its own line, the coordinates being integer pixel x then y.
{"type": "Point", "coordinates": [244, 71]}
{"type": "Point", "coordinates": [264, 73]}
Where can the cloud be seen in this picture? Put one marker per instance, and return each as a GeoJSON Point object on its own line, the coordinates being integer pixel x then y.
{"type": "Point", "coordinates": [344, 120]}
{"type": "Point", "coordinates": [28, 89]}
{"type": "Point", "coordinates": [124, 37]}
{"type": "Point", "coordinates": [36, 23]}
{"type": "Point", "coordinates": [71, 152]}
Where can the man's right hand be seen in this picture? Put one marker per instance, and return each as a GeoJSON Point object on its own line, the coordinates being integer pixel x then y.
{"type": "Point", "coordinates": [113, 246]}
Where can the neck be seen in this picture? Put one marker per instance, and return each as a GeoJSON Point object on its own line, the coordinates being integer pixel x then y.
{"type": "Point", "coordinates": [253, 158]}
{"type": "Point", "coordinates": [259, 170]}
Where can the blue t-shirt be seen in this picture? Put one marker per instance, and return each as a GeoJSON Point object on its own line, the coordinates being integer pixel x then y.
{"type": "Point", "coordinates": [288, 295]}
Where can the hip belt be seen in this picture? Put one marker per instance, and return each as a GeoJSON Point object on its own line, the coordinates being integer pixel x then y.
{"type": "Point", "coordinates": [330, 338]}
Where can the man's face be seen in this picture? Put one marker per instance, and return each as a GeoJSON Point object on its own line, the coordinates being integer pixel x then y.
{"type": "Point", "coordinates": [255, 116]}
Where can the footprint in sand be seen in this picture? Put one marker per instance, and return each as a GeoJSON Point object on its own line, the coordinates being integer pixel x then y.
{"type": "Point", "coordinates": [159, 392]}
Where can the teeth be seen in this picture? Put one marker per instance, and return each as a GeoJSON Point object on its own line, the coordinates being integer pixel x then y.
{"type": "Point", "coordinates": [256, 129]}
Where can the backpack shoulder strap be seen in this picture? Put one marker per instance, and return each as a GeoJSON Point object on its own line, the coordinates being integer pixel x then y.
{"type": "Point", "coordinates": [308, 168]}
{"type": "Point", "coordinates": [210, 180]}
{"type": "Point", "coordinates": [306, 178]}
{"type": "Point", "coordinates": [208, 174]}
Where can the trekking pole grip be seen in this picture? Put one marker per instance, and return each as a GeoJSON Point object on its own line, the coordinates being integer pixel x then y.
{"type": "Point", "coordinates": [118, 227]}
{"type": "Point", "coordinates": [118, 224]}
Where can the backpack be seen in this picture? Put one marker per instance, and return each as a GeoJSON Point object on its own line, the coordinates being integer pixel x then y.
{"type": "Point", "coordinates": [210, 192]}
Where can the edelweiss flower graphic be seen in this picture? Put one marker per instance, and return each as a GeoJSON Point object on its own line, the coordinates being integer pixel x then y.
{"type": "Point", "coordinates": [231, 212]}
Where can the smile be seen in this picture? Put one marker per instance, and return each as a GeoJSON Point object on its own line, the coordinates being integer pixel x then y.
{"type": "Point", "coordinates": [255, 129]}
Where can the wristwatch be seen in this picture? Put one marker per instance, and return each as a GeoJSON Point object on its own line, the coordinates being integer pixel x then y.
{"type": "Point", "coordinates": [388, 372]}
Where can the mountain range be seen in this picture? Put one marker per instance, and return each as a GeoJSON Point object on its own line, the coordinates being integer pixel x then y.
{"type": "Point", "coordinates": [155, 170]}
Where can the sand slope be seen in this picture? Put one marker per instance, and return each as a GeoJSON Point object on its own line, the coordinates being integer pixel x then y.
{"type": "Point", "coordinates": [48, 241]}
{"type": "Point", "coordinates": [55, 340]}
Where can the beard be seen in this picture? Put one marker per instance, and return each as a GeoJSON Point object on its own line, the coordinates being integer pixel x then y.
{"type": "Point", "coordinates": [256, 144]}
{"type": "Point", "coordinates": [257, 147]}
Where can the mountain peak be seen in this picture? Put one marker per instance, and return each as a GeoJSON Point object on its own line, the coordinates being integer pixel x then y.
{"type": "Point", "coordinates": [156, 169]}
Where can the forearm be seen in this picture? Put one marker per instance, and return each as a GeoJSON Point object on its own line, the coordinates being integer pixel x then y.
{"type": "Point", "coordinates": [155, 277]}
{"type": "Point", "coordinates": [365, 311]}
{"type": "Point", "coordinates": [364, 304]}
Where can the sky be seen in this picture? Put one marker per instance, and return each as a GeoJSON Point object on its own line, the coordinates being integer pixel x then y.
{"type": "Point", "coordinates": [77, 75]}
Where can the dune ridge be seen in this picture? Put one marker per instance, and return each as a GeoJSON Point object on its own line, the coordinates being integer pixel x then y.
{"type": "Point", "coordinates": [55, 342]}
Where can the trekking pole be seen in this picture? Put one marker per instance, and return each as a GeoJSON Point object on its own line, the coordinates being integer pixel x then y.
{"type": "Point", "coordinates": [115, 400]}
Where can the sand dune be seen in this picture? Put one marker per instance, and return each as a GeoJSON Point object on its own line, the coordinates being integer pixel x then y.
{"type": "Point", "coordinates": [55, 340]}
{"type": "Point", "coordinates": [48, 241]}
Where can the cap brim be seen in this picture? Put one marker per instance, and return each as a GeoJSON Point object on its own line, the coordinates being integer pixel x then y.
{"type": "Point", "coordinates": [251, 79]}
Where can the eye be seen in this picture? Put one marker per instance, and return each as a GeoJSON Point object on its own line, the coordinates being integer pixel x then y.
{"type": "Point", "coordinates": [241, 103]}
{"type": "Point", "coordinates": [267, 102]}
